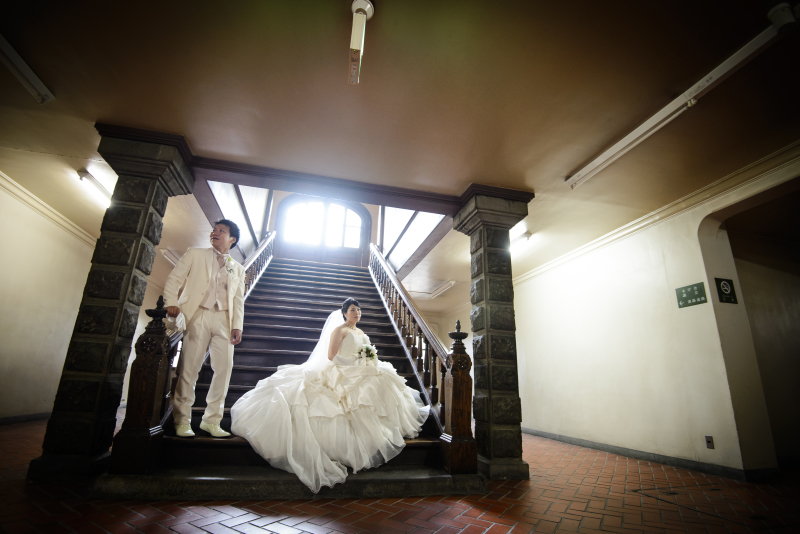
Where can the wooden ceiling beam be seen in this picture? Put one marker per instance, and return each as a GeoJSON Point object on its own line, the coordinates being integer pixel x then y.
{"type": "Point", "coordinates": [231, 172]}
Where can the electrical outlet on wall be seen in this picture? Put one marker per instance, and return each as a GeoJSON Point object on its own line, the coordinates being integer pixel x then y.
{"type": "Point", "coordinates": [709, 442]}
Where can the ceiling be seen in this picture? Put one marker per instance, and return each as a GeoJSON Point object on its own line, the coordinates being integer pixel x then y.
{"type": "Point", "coordinates": [777, 220]}
{"type": "Point", "coordinates": [513, 94]}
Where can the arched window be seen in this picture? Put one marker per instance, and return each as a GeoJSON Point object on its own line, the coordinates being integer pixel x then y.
{"type": "Point", "coordinates": [308, 222]}
{"type": "Point", "coordinates": [323, 230]}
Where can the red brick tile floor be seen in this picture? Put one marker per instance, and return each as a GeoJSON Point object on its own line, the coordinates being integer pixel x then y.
{"type": "Point", "coordinates": [571, 489]}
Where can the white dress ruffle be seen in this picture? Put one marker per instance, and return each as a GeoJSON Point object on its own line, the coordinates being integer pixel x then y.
{"type": "Point", "coordinates": [316, 423]}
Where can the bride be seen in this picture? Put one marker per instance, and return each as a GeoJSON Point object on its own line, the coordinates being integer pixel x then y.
{"type": "Point", "coordinates": [342, 408]}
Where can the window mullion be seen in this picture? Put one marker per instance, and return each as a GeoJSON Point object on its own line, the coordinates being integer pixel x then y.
{"type": "Point", "coordinates": [400, 237]}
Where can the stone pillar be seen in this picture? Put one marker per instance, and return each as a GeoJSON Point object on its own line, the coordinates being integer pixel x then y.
{"type": "Point", "coordinates": [80, 430]}
{"type": "Point", "coordinates": [496, 405]}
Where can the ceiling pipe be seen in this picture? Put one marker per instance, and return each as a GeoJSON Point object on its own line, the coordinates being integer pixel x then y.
{"type": "Point", "coordinates": [783, 19]}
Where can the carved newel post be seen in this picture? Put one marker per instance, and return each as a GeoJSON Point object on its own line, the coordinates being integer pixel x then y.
{"type": "Point", "coordinates": [459, 449]}
{"type": "Point", "coordinates": [138, 444]}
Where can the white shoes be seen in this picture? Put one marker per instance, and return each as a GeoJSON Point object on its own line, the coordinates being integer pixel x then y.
{"type": "Point", "coordinates": [184, 431]}
{"type": "Point", "coordinates": [215, 430]}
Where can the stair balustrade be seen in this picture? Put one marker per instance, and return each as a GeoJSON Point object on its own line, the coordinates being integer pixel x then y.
{"type": "Point", "coordinates": [444, 377]}
{"type": "Point", "coordinates": [137, 446]}
{"type": "Point", "coordinates": [154, 372]}
{"type": "Point", "coordinates": [258, 262]}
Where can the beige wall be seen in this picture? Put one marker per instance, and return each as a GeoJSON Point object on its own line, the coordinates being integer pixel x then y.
{"type": "Point", "coordinates": [606, 355]}
{"type": "Point", "coordinates": [769, 277]}
{"type": "Point", "coordinates": [42, 286]}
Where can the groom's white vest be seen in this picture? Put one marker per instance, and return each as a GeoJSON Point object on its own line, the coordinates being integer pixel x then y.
{"type": "Point", "coordinates": [194, 268]}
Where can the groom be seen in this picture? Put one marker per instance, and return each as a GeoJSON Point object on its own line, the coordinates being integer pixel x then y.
{"type": "Point", "coordinates": [212, 303]}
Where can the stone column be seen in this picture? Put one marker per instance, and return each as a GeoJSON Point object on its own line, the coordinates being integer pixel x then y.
{"type": "Point", "coordinates": [80, 430]}
{"type": "Point", "coordinates": [496, 405]}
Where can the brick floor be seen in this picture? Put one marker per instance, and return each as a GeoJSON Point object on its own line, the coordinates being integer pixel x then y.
{"type": "Point", "coordinates": [572, 489]}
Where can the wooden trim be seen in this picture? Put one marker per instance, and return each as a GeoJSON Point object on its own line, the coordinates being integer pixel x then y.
{"type": "Point", "coordinates": [202, 192]}
{"type": "Point", "coordinates": [34, 203]}
{"type": "Point", "coordinates": [405, 228]}
{"type": "Point", "coordinates": [382, 228]}
{"type": "Point", "coordinates": [497, 192]}
{"type": "Point", "coordinates": [240, 198]}
{"type": "Point", "coordinates": [438, 233]}
{"type": "Point", "coordinates": [316, 185]}
{"type": "Point", "coordinates": [267, 213]}
{"type": "Point", "coordinates": [147, 136]}
{"type": "Point", "coordinates": [312, 184]}
{"type": "Point", "coordinates": [773, 169]}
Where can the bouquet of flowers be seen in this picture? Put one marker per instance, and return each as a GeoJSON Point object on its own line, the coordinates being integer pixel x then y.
{"type": "Point", "coordinates": [368, 354]}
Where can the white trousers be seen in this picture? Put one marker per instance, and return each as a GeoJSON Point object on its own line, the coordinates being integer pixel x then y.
{"type": "Point", "coordinates": [208, 329]}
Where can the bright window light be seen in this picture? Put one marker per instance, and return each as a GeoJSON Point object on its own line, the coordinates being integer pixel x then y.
{"type": "Point", "coordinates": [395, 219]}
{"type": "Point", "coordinates": [352, 231]}
{"type": "Point", "coordinates": [334, 233]}
{"type": "Point", "coordinates": [304, 223]}
{"type": "Point", "coordinates": [228, 202]}
{"type": "Point", "coordinates": [420, 229]}
{"type": "Point", "coordinates": [255, 202]}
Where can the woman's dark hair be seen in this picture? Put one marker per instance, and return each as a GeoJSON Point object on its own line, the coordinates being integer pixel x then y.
{"type": "Point", "coordinates": [346, 306]}
{"type": "Point", "coordinates": [233, 228]}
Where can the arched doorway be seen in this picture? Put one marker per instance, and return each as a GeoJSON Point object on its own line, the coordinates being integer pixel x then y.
{"type": "Point", "coordinates": [324, 230]}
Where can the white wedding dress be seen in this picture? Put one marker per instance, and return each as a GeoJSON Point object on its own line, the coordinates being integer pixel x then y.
{"type": "Point", "coordinates": [319, 418]}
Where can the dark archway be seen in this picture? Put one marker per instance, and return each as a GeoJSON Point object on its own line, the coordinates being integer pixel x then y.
{"type": "Point", "coordinates": [330, 230]}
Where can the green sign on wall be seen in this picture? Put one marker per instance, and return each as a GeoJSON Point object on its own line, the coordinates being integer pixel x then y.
{"type": "Point", "coordinates": [691, 295]}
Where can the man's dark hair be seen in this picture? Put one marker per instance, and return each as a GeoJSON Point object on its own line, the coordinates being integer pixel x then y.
{"type": "Point", "coordinates": [233, 229]}
{"type": "Point", "coordinates": [346, 305]}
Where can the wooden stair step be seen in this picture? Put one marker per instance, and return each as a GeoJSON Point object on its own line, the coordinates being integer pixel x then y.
{"type": "Point", "coordinates": [318, 265]}
{"type": "Point", "coordinates": [328, 293]}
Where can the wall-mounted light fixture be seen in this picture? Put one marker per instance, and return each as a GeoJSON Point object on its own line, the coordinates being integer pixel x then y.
{"type": "Point", "coordinates": [442, 288]}
{"type": "Point", "coordinates": [23, 72]}
{"type": "Point", "coordinates": [170, 256]}
{"type": "Point", "coordinates": [362, 12]}
{"type": "Point", "coordinates": [101, 193]}
{"type": "Point", "coordinates": [522, 238]}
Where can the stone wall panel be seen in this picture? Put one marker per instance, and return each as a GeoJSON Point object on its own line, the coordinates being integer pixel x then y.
{"type": "Point", "coordinates": [86, 357]}
{"type": "Point", "coordinates": [106, 284]}
{"type": "Point", "coordinates": [114, 250]}
{"type": "Point", "coordinates": [96, 320]}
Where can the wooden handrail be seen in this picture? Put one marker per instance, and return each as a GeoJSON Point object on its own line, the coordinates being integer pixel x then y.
{"type": "Point", "coordinates": [418, 339]}
{"type": "Point", "coordinates": [440, 349]}
{"type": "Point", "coordinates": [257, 262]}
{"type": "Point", "coordinates": [252, 257]}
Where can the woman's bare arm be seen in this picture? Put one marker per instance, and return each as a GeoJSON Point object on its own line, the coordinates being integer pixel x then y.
{"type": "Point", "coordinates": [336, 341]}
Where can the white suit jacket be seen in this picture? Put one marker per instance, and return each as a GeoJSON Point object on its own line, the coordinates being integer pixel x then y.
{"type": "Point", "coordinates": [194, 268]}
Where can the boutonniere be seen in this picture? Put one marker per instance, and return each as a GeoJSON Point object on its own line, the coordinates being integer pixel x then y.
{"type": "Point", "coordinates": [229, 264]}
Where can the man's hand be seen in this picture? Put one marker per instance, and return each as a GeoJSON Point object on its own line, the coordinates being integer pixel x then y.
{"type": "Point", "coordinates": [236, 337]}
{"type": "Point", "coordinates": [173, 311]}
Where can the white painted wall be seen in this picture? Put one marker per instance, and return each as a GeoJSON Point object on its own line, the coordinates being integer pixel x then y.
{"type": "Point", "coordinates": [43, 282]}
{"type": "Point", "coordinates": [606, 355]}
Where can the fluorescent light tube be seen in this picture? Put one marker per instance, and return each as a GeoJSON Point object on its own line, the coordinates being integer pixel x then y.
{"type": "Point", "coordinates": [675, 108]}
{"type": "Point", "coordinates": [91, 179]}
{"type": "Point", "coordinates": [23, 72]}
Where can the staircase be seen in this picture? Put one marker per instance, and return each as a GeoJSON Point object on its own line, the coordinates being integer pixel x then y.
{"type": "Point", "coordinates": [283, 319]}
{"type": "Point", "coordinates": [284, 316]}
